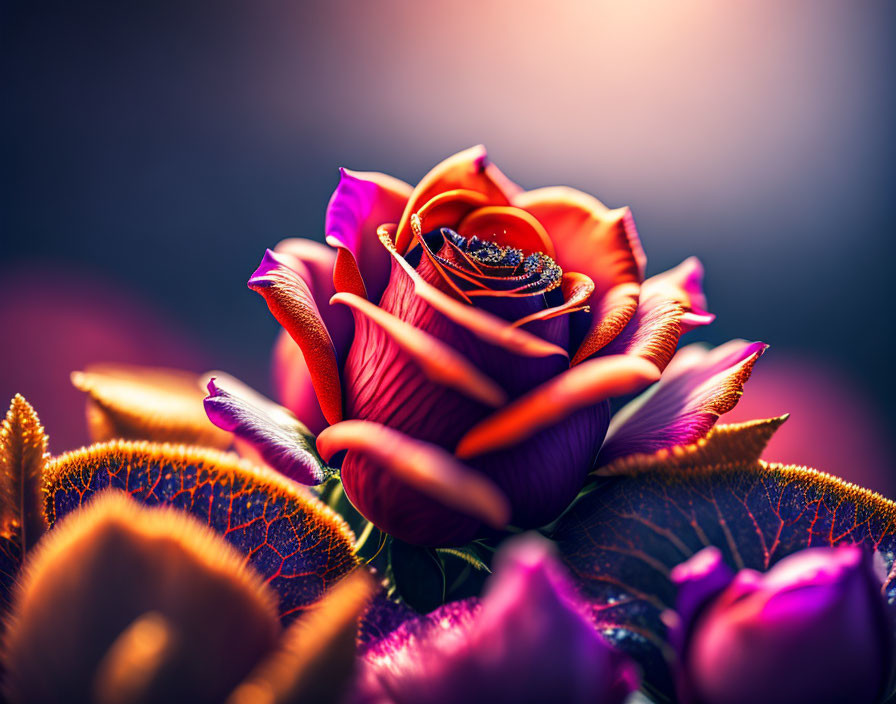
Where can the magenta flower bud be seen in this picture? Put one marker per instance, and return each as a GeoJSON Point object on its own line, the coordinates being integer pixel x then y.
{"type": "Point", "coordinates": [814, 628]}
{"type": "Point", "coordinates": [528, 640]}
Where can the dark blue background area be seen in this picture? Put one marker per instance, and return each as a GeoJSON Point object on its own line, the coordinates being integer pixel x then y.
{"type": "Point", "coordinates": [161, 147]}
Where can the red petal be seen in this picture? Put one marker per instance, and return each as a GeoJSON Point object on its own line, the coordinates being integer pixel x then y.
{"type": "Point", "coordinates": [583, 385]}
{"type": "Point", "coordinates": [441, 363]}
{"type": "Point", "coordinates": [292, 304]}
{"type": "Point", "coordinates": [576, 288]}
{"type": "Point", "coordinates": [428, 468]}
{"type": "Point", "coordinates": [484, 325]}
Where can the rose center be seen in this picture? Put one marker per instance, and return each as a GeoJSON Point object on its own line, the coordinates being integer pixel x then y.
{"type": "Point", "coordinates": [489, 266]}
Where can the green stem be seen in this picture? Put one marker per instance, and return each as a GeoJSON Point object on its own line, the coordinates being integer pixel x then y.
{"type": "Point", "coordinates": [365, 534]}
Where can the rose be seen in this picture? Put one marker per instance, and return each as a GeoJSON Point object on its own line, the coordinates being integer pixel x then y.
{"type": "Point", "coordinates": [813, 628]}
{"type": "Point", "coordinates": [465, 339]}
{"type": "Point", "coordinates": [528, 639]}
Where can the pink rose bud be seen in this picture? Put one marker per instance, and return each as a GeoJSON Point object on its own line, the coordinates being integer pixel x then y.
{"type": "Point", "coordinates": [814, 628]}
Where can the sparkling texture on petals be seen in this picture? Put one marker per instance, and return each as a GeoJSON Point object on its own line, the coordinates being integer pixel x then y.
{"type": "Point", "coordinates": [292, 304]}
{"type": "Point", "coordinates": [273, 431]}
{"type": "Point", "coordinates": [359, 205]}
{"type": "Point", "coordinates": [527, 640]}
{"type": "Point", "coordinates": [146, 403]}
{"type": "Point", "coordinates": [23, 453]}
{"type": "Point", "coordinates": [696, 388]}
{"type": "Point", "coordinates": [421, 467]}
{"type": "Point", "coordinates": [590, 238]}
{"type": "Point", "coordinates": [516, 359]}
{"type": "Point", "coordinates": [297, 544]}
{"type": "Point", "coordinates": [111, 563]}
{"type": "Point", "coordinates": [469, 170]}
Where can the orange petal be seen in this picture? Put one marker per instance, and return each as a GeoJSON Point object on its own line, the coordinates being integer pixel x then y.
{"type": "Point", "coordinates": [583, 385]}
{"type": "Point", "coordinates": [486, 326]}
{"type": "Point", "coordinates": [425, 467]}
{"type": "Point", "coordinates": [292, 383]}
{"type": "Point", "coordinates": [508, 227]}
{"type": "Point", "coordinates": [360, 204]}
{"type": "Point", "coordinates": [441, 363]}
{"type": "Point", "coordinates": [449, 208]}
{"type": "Point", "coordinates": [670, 304]}
{"type": "Point", "coordinates": [469, 170]}
{"type": "Point", "coordinates": [592, 239]}
{"type": "Point", "coordinates": [292, 304]}
{"type": "Point", "coordinates": [576, 289]}
{"type": "Point", "coordinates": [609, 316]}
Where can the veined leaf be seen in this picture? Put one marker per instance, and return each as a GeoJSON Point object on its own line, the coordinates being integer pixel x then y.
{"type": "Point", "coordinates": [298, 545]}
{"type": "Point", "coordinates": [23, 453]}
{"type": "Point", "coordinates": [622, 539]}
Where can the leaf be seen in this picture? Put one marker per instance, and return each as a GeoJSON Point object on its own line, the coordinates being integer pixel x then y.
{"type": "Point", "coordinates": [622, 539]}
{"type": "Point", "coordinates": [23, 453]}
{"type": "Point", "coordinates": [298, 545]}
{"type": "Point", "coordinates": [418, 575]}
{"type": "Point", "coordinates": [734, 442]}
{"type": "Point", "coordinates": [146, 403]}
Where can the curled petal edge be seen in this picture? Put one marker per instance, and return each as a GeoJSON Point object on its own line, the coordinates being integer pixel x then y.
{"type": "Point", "coordinates": [441, 363]}
{"type": "Point", "coordinates": [427, 468]}
{"type": "Point", "coordinates": [581, 386]}
{"type": "Point", "coordinates": [292, 304]}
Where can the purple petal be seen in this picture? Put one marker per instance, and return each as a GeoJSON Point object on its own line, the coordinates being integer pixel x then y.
{"type": "Point", "coordinates": [361, 203]}
{"type": "Point", "coordinates": [271, 430]}
{"type": "Point", "coordinates": [528, 640]}
{"type": "Point", "coordinates": [696, 388]}
{"type": "Point", "coordinates": [813, 628]}
{"type": "Point", "coordinates": [699, 580]}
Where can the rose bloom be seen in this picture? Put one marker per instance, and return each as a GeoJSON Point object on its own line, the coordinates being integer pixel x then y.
{"type": "Point", "coordinates": [816, 628]}
{"type": "Point", "coordinates": [461, 340]}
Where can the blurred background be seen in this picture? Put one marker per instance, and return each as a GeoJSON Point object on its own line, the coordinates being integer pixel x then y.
{"type": "Point", "coordinates": [152, 150]}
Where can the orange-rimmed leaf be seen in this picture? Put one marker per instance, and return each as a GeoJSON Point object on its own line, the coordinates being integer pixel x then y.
{"type": "Point", "coordinates": [298, 545]}
{"type": "Point", "coordinates": [623, 538]}
{"type": "Point", "coordinates": [23, 453]}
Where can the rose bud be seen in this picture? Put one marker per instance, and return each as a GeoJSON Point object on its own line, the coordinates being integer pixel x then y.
{"type": "Point", "coordinates": [814, 628]}
{"type": "Point", "coordinates": [528, 640]}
